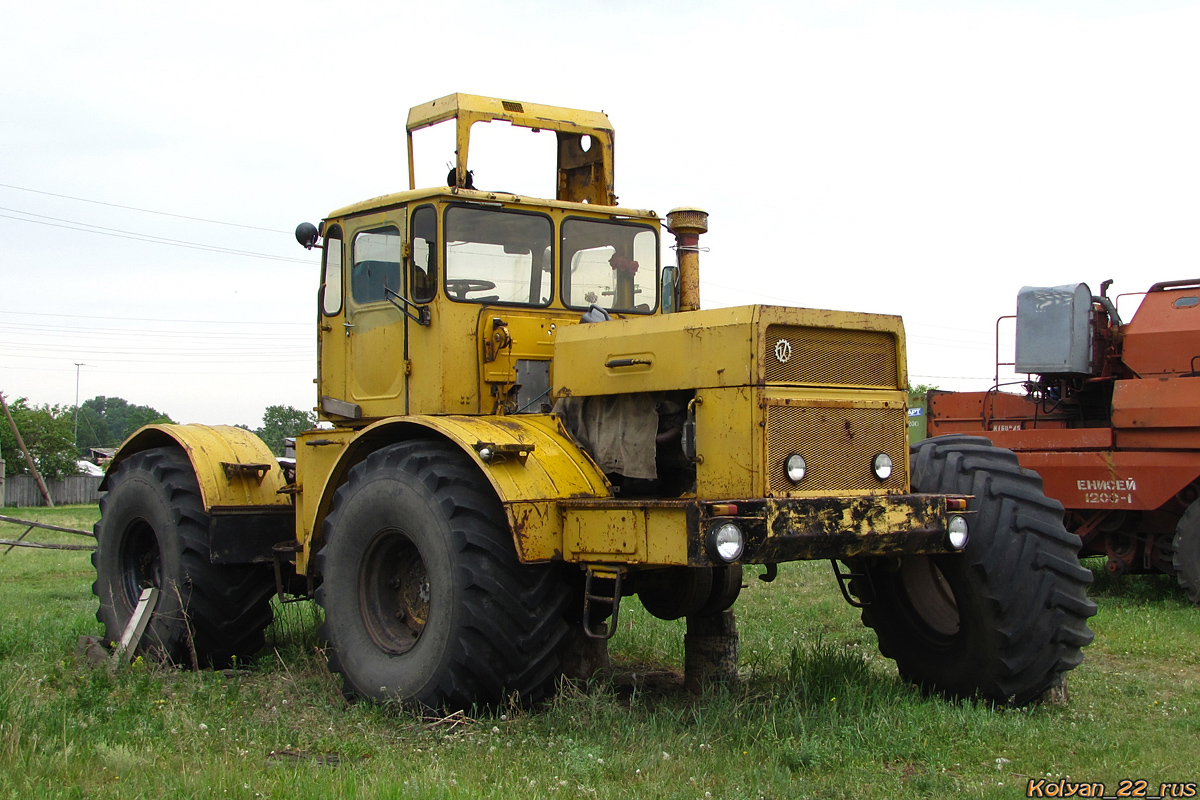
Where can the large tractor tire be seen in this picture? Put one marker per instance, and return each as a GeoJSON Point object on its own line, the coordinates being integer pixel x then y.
{"type": "Point", "coordinates": [1005, 619]}
{"type": "Point", "coordinates": [1187, 551]}
{"type": "Point", "coordinates": [425, 600]}
{"type": "Point", "coordinates": [153, 531]}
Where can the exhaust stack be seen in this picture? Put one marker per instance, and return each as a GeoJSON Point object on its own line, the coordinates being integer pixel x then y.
{"type": "Point", "coordinates": [687, 224]}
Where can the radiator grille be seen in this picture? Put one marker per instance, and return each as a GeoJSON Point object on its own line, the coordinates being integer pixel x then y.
{"type": "Point", "coordinates": [838, 444]}
{"type": "Point", "coordinates": [830, 356]}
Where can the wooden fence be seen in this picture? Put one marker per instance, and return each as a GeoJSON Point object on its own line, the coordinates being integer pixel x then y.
{"type": "Point", "coordinates": [22, 490]}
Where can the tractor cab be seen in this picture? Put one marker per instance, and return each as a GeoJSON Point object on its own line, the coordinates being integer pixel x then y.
{"type": "Point", "coordinates": [446, 300]}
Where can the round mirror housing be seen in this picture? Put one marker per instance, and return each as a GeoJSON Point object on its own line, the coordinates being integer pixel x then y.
{"type": "Point", "coordinates": [307, 235]}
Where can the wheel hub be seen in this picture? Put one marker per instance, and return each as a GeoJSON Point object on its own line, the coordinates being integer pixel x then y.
{"type": "Point", "coordinates": [394, 592]}
{"type": "Point", "coordinates": [140, 560]}
{"type": "Point", "coordinates": [930, 594]}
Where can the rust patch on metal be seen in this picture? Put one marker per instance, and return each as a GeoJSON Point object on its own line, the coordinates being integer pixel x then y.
{"type": "Point", "coordinates": [832, 527]}
{"type": "Point", "coordinates": [508, 424]}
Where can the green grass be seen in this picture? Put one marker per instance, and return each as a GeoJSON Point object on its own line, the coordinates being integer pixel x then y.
{"type": "Point", "coordinates": [818, 713]}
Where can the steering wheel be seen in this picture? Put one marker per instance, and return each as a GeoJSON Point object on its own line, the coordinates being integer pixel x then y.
{"type": "Point", "coordinates": [459, 287]}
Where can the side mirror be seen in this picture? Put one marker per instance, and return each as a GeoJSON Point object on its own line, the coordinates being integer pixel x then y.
{"type": "Point", "coordinates": [307, 235]}
{"type": "Point", "coordinates": [670, 290]}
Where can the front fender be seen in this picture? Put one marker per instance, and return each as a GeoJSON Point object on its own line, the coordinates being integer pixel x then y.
{"type": "Point", "coordinates": [535, 465]}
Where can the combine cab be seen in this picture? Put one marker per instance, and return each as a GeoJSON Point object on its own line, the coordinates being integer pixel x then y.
{"type": "Point", "coordinates": [1110, 418]}
{"type": "Point", "coordinates": [529, 419]}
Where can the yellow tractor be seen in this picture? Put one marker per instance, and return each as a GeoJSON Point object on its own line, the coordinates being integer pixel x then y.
{"type": "Point", "coordinates": [527, 418]}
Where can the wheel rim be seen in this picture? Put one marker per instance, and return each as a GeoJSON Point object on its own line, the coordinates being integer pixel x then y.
{"type": "Point", "coordinates": [393, 592]}
{"type": "Point", "coordinates": [140, 560]}
{"type": "Point", "coordinates": [930, 595]}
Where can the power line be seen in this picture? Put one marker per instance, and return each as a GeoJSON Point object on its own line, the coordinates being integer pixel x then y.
{"type": "Point", "coordinates": [156, 356]}
{"type": "Point", "coordinates": [139, 237]}
{"type": "Point", "coordinates": [151, 319]}
{"type": "Point", "coordinates": [31, 329]}
{"type": "Point", "coordinates": [119, 371]}
{"type": "Point", "coordinates": [143, 210]}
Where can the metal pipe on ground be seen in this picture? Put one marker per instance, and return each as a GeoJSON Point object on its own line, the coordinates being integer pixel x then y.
{"type": "Point", "coordinates": [28, 458]}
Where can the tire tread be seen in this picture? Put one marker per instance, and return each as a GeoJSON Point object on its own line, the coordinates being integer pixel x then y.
{"type": "Point", "coordinates": [1024, 563]}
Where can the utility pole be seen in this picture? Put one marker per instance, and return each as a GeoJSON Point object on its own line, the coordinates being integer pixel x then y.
{"type": "Point", "coordinates": [77, 366]}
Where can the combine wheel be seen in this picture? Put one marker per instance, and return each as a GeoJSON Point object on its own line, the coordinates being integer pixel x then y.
{"type": "Point", "coordinates": [153, 531]}
{"type": "Point", "coordinates": [425, 600]}
{"type": "Point", "coordinates": [1004, 620]}
{"type": "Point", "coordinates": [1187, 551]}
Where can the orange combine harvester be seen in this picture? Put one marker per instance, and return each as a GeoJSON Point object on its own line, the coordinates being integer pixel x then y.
{"type": "Point", "coordinates": [1110, 418]}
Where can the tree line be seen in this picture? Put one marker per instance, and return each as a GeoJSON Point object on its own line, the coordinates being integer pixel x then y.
{"type": "Point", "coordinates": [49, 431]}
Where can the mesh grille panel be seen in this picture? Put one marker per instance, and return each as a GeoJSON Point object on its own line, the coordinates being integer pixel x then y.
{"type": "Point", "coordinates": [835, 356]}
{"type": "Point", "coordinates": [838, 444]}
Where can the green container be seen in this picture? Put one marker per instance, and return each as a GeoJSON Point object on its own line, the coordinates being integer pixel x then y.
{"type": "Point", "coordinates": [916, 418]}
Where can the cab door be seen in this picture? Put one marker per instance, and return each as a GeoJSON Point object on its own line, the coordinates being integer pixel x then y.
{"type": "Point", "coordinates": [374, 326]}
{"type": "Point", "coordinates": [331, 337]}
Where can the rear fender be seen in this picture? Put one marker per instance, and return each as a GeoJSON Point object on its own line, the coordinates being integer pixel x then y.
{"type": "Point", "coordinates": [241, 485]}
{"type": "Point", "coordinates": [232, 465]}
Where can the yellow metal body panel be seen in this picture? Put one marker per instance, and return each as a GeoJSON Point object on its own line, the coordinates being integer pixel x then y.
{"type": "Point", "coordinates": [320, 468]}
{"type": "Point", "coordinates": [520, 335]}
{"type": "Point", "coordinates": [713, 348]}
{"type": "Point", "coordinates": [699, 349]}
{"type": "Point", "coordinates": [728, 443]}
{"type": "Point", "coordinates": [652, 533]}
{"type": "Point", "coordinates": [529, 115]}
{"type": "Point", "coordinates": [209, 448]}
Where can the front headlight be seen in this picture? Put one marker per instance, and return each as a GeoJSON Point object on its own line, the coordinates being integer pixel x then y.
{"type": "Point", "coordinates": [795, 467]}
{"type": "Point", "coordinates": [725, 542]}
{"type": "Point", "coordinates": [882, 466]}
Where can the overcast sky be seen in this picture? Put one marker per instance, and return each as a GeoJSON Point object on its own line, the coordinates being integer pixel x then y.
{"type": "Point", "coordinates": [925, 159]}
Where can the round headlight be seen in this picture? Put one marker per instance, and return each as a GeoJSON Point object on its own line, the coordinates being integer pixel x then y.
{"type": "Point", "coordinates": [882, 466]}
{"type": "Point", "coordinates": [956, 532]}
{"type": "Point", "coordinates": [795, 467]}
{"type": "Point", "coordinates": [726, 542]}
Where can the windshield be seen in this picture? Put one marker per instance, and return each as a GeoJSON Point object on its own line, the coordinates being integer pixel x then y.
{"type": "Point", "coordinates": [498, 256]}
{"type": "Point", "coordinates": [610, 264]}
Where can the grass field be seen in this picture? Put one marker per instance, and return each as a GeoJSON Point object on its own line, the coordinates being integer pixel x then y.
{"type": "Point", "coordinates": [818, 713]}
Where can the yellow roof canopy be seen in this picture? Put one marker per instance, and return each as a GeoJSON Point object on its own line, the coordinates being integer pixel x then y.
{"type": "Point", "coordinates": [585, 140]}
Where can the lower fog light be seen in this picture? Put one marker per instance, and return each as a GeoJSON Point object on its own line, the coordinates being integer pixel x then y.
{"type": "Point", "coordinates": [725, 542]}
{"type": "Point", "coordinates": [956, 532]}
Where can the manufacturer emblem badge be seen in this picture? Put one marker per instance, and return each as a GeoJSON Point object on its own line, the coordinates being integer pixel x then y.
{"type": "Point", "coordinates": [783, 351]}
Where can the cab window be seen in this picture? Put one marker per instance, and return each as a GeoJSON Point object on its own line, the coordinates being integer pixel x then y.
{"type": "Point", "coordinates": [331, 284]}
{"type": "Point", "coordinates": [498, 256]}
{"type": "Point", "coordinates": [610, 264]}
{"type": "Point", "coordinates": [424, 254]}
{"type": "Point", "coordinates": [376, 265]}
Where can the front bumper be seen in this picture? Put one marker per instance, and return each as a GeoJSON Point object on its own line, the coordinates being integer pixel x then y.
{"type": "Point", "coordinates": [675, 532]}
{"type": "Point", "coordinates": [779, 530]}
